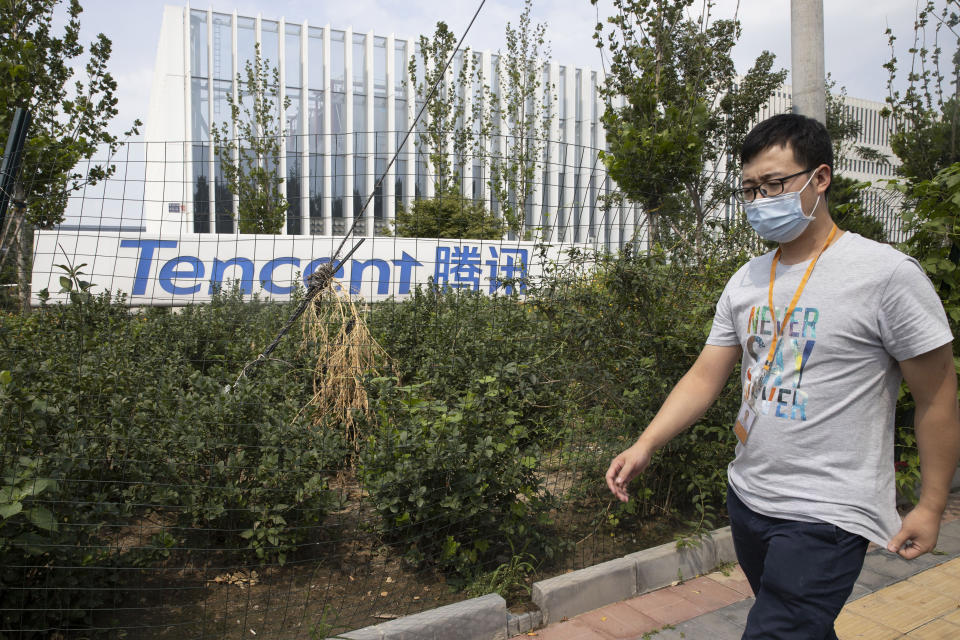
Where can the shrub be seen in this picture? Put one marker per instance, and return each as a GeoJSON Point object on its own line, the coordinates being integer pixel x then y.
{"type": "Point", "coordinates": [454, 481]}
{"type": "Point", "coordinates": [110, 419]}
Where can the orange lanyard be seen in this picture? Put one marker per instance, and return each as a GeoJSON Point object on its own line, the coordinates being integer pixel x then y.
{"type": "Point", "coordinates": [779, 330]}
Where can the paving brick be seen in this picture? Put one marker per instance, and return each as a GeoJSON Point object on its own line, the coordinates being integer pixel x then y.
{"type": "Point", "coordinates": [858, 592]}
{"type": "Point", "coordinates": [938, 581]}
{"type": "Point", "coordinates": [671, 633]}
{"type": "Point", "coordinates": [951, 566]}
{"type": "Point", "coordinates": [873, 580]}
{"type": "Point", "coordinates": [953, 617]}
{"type": "Point", "coordinates": [850, 626]}
{"type": "Point", "coordinates": [737, 612]}
{"type": "Point", "coordinates": [707, 593]}
{"type": "Point", "coordinates": [903, 606]}
{"type": "Point", "coordinates": [576, 592]}
{"type": "Point", "coordinates": [948, 543]}
{"type": "Point", "coordinates": [572, 630]}
{"type": "Point", "coordinates": [736, 580]}
{"type": "Point", "coordinates": [618, 621]}
{"type": "Point", "coordinates": [951, 528]}
{"type": "Point", "coordinates": [894, 566]}
{"type": "Point", "coordinates": [936, 630]}
{"type": "Point", "coordinates": [668, 609]}
{"type": "Point", "coordinates": [711, 626]}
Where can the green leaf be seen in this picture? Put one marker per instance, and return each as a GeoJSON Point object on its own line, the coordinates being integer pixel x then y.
{"type": "Point", "coordinates": [42, 518]}
{"type": "Point", "coordinates": [10, 509]}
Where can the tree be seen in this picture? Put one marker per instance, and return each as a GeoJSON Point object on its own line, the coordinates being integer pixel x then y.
{"type": "Point", "coordinates": [69, 122]}
{"type": "Point", "coordinates": [449, 215]}
{"type": "Point", "coordinates": [446, 133]}
{"type": "Point", "coordinates": [846, 194]}
{"type": "Point", "coordinates": [250, 158]}
{"type": "Point", "coordinates": [673, 146]}
{"type": "Point", "coordinates": [518, 116]}
{"type": "Point", "coordinates": [927, 109]}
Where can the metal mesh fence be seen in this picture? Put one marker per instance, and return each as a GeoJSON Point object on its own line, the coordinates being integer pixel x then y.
{"type": "Point", "coordinates": [434, 427]}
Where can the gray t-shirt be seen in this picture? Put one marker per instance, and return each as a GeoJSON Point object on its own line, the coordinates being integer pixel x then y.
{"type": "Point", "coordinates": [821, 449]}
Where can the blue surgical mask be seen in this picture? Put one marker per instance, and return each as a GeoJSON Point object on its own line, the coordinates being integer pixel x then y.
{"type": "Point", "coordinates": [779, 218]}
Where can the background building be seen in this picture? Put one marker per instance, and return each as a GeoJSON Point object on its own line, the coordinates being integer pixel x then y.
{"type": "Point", "coordinates": [351, 103]}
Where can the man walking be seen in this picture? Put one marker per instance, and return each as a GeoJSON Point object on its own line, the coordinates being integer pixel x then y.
{"type": "Point", "coordinates": [825, 327]}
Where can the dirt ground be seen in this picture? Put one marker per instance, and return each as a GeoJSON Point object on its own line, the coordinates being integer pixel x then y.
{"type": "Point", "coordinates": [350, 580]}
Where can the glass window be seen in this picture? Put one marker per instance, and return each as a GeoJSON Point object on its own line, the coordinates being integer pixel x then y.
{"type": "Point", "coordinates": [200, 96]}
{"type": "Point", "coordinates": [223, 201]}
{"type": "Point", "coordinates": [270, 43]}
{"type": "Point", "coordinates": [315, 58]}
{"type": "Point", "coordinates": [359, 63]}
{"type": "Point", "coordinates": [294, 146]}
{"type": "Point", "coordinates": [222, 47]}
{"type": "Point", "coordinates": [246, 42]}
{"type": "Point", "coordinates": [380, 66]}
{"type": "Point", "coordinates": [198, 43]}
{"type": "Point", "coordinates": [593, 96]}
{"type": "Point", "coordinates": [201, 189]}
{"type": "Point", "coordinates": [338, 150]}
{"type": "Point", "coordinates": [400, 119]}
{"type": "Point", "coordinates": [221, 109]}
{"type": "Point", "coordinates": [317, 150]}
{"type": "Point", "coordinates": [337, 61]}
{"type": "Point", "coordinates": [292, 55]}
{"type": "Point", "coordinates": [360, 167]}
{"type": "Point", "coordinates": [562, 96]}
{"type": "Point", "coordinates": [579, 97]}
{"type": "Point", "coordinates": [380, 121]}
{"type": "Point", "coordinates": [399, 64]}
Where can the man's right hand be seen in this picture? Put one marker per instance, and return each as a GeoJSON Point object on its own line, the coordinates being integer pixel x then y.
{"type": "Point", "coordinates": [625, 467]}
{"type": "Point", "coordinates": [695, 391]}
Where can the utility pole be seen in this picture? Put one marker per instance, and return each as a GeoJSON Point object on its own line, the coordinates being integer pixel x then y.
{"type": "Point", "coordinates": [808, 72]}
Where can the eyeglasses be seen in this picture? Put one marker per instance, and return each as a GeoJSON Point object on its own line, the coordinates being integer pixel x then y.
{"type": "Point", "coordinates": [768, 189]}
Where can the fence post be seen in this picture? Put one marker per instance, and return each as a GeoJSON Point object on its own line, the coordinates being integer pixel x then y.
{"type": "Point", "coordinates": [11, 158]}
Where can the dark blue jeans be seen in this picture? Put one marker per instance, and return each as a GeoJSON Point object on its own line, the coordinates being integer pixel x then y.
{"type": "Point", "coordinates": [801, 573]}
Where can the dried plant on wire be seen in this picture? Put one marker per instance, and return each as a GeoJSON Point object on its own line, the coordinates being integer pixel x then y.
{"type": "Point", "coordinates": [335, 330]}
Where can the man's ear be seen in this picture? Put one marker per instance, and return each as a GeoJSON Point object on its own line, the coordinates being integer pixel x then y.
{"type": "Point", "coordinates": [823, 179]}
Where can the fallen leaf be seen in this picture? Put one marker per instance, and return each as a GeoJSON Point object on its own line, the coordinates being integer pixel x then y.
{"type": "Point", "coordinates": [384, 593]}
{"type": "Point", "coordinates": [386, 616]}
{"type": "Point", "coordinates": [389, 579]}
{"type": "Point", "coordinates": [603, 619]}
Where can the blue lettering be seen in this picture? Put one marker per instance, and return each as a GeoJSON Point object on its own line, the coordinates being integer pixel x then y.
{"type": "Point", "coordinates": [266, 275]}
{"type": "Point", "coordinates": [220, 266]}
{"type": "Point", "coordinates": [383, 275]}
{"type": "Point", "coordinates": [406, 264]}
{"type": "Point", "coordinates": [144, 259]}
{"type": "Point", "coordinates": [783, 404]}
{"type": "Point", "coordinates": [169, 273]}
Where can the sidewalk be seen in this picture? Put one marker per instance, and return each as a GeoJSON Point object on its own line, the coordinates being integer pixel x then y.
{"type": "Point", "coordinates": [893, 598]}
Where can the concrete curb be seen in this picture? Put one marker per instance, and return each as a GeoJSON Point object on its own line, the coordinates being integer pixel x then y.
{"type": "Point", "coordinates": [483, 618]}
{"type": "Point", "coordinates": [587, 589]}
{"type": "Point", "coordinates": [568, 595]}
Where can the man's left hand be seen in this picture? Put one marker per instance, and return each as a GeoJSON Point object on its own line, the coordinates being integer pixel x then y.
{"type": "Point", "coordinates": [918, 535]}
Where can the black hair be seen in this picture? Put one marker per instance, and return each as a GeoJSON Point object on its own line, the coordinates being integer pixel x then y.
{"type": "Point", "coordinates": [807, 137]}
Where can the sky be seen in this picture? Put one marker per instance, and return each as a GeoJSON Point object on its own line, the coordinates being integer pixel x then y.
{"type": "Point", "coordinates": [855, 44]}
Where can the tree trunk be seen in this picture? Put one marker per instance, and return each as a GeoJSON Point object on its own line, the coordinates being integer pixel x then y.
{"type": "Point", "coordinates": [24, 250]}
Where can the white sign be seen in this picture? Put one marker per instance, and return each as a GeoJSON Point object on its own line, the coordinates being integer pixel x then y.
{"type": "Point", "coordinates": [176, 271]}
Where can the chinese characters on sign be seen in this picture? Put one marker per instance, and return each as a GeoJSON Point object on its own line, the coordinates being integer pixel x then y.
{"type": "Point", "coordinates": [461, 267]}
